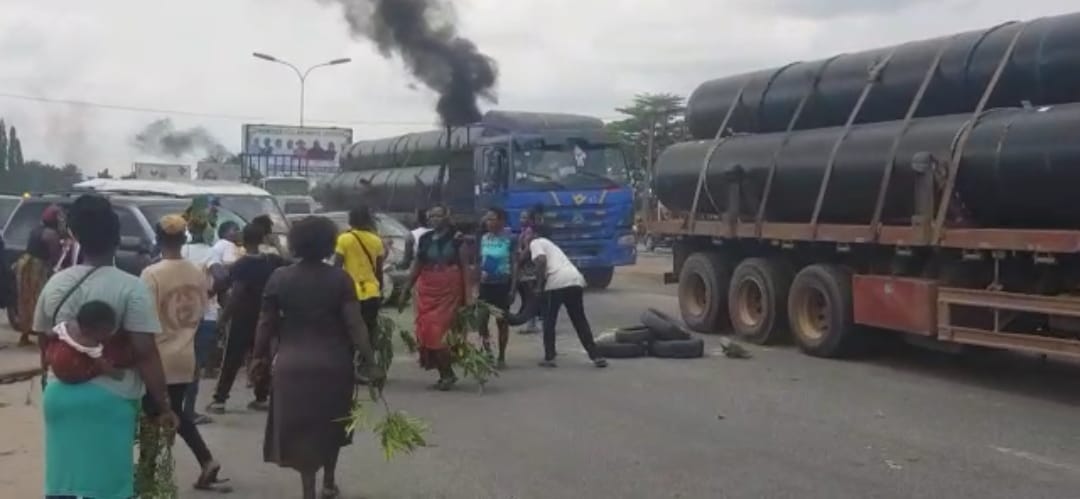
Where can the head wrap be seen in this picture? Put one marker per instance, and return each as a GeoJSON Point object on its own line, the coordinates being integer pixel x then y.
{"type": "Point", "coordinates": [51, 215]}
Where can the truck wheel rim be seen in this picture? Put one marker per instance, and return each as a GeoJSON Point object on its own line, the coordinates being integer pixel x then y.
{"type": "Point", "coordinates": [694, 295]}
{"type": "Point", "coordinates": [812, 314]}
{"type": "Point", "coordinates": [750, 303]}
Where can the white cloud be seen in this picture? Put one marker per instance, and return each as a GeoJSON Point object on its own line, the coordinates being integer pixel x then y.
{"type": "Point", "coordinates": [557, 55]}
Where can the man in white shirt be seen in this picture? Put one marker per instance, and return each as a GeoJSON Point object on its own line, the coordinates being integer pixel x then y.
{"type": "Point", "coordinates": [205, 257]}
{"type": "Point", "coordinates": [226, 249]}
{"type": "Point", "coordinates": [414, 237]}
{"type": "Point", "coordinates": [563, 285]}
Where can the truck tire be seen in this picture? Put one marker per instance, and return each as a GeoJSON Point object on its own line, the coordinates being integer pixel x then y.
{"type": "Point", "coordinates": [599, 278]}
{"type": "Point", "coordinates": [637, 335]}
{"type": "Point", "coordinates": [703, 288]}
{"type": "Point", "coordinates": [679, 349]}
{"type": "Point", "coordinates": [757, 300]}
{"type": "Point", "coordinates": [662, 326]}
{"type": "Point", "coordinates": [615, 350]}
{"type": "Point", "coordinates": [820, 312]}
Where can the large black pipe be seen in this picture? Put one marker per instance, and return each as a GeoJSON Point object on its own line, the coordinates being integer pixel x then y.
{"type": "Point", "coordinates": [1042, 70]}
{"type": "Point", "coordinates": [1021, 168]}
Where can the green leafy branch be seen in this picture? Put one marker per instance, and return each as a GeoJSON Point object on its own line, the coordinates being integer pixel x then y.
{"type": "Point", "coordinates": [473, 362]}
{"type": "Point", "coordinates": [398, 432]}
{"type": "Point", "coordinates": [154, 473]}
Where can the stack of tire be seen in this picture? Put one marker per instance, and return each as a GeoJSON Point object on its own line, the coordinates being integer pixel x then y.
{"type": "Point", "coordinates": [658, 335]}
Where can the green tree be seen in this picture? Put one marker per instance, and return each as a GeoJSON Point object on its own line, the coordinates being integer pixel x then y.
{"type": "Point", "coordinates": [652, 122]}
{"type": "Point", "coordinates": [35, 176]}
{"type": "Point", "coordinates": [104, 174]}
{"type": "Point", "coordinates": [14, 152]}
{"type": "Point", "coordinates": [3, 146]}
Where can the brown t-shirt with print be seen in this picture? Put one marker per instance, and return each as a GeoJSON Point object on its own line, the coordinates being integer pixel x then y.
{"type": "Point", "coordinates": [179, 289]}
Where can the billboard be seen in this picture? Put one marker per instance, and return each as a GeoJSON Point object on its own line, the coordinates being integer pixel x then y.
{"type": "Point", "coordinates": [281, 149]}
{"type": "Point", "coordinates": [161, 171]}
{"type": "Point", "coordinates": [217, 171]}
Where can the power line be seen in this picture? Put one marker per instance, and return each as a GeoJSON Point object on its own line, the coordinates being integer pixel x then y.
{"type": "Point", "coordinates": [199, 114]}
{"type": "Point", "coordinates": [234, 117]}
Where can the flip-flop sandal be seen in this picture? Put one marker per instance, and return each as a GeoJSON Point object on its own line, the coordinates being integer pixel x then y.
{"type": "Point", "coordinates": [330, 493]}
{"type": "Point", "coordinates": [209, 481]}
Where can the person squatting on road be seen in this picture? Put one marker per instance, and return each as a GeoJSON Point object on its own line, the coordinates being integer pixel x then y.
{"type": "Point", "coordinates": [439, 278]}
{"type": "Point", "coordinates": [248, 277]}
{"type": "Point", "coordinates": [311, 310]}
{"type": "Point", "coordinates": [563, 285]}
{"type": "Point", "coordinates": [33, 268]}
{"type": "Point", "coordinates": [498, 277]}
{"type": "Point", "coordinates": [180, 292]}
{"type": "Point", "coordinates": [198, 252]}
{"type": "Point", "coordinates": [90, 426]}
{"type": "Point", "coordinates": [361, 253]}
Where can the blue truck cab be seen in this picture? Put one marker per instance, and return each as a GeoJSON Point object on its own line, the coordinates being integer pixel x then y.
{"type": "Point", "coordinates": [515, 160]}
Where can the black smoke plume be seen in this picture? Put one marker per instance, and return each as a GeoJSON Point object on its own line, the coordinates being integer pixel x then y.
{"type": "Point", "coordinates": [162, 139]}
{"type": "Point", "coordinates": [423, 34]}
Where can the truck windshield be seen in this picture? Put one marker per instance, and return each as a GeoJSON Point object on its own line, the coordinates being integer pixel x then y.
{"type": "Point", "coordinates": [287, 186]}
{"type": "Point", "coordinates": [574, 164]}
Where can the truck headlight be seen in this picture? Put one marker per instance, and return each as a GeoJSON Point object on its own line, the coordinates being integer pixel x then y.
{"type": "Point", "coordinates": [627, 240]}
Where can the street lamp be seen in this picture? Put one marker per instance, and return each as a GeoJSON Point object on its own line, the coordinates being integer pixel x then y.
{"type": "Point", "coordinates": [302, 75]}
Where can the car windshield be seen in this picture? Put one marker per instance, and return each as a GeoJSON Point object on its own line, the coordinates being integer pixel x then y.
{"type": "Point", "coordinates": [154, 211]}
{"type": "Point", "coordinates": [574, 164]}
{"type": "Point", "coordinates": [287, 186]}
{"type": "Point", "coordinates": [250, 207]}
{"type": "Point", "coordinates": [7, 206]}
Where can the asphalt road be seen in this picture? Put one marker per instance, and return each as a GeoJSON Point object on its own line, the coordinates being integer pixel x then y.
{"type": "Point", "coordinates": [909, 424]}
{"type": "Point", "coordinates": [906, 425]}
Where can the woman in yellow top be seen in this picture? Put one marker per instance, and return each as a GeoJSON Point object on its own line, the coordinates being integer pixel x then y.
{"type": "Point", "coordinates": [360, 252]}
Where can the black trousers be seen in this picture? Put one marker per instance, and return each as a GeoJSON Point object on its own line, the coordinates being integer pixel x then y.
{"type": "Point", "coordinates": [240, 341]}
{"type": "Point", "coordinates": [187, 430]}
{"type": "Point", "coordinates": [572, 299]}
{"type": "Point", "coordinates": [369, 310]}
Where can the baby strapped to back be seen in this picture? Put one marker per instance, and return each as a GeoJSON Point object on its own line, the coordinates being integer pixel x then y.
{"type": "Point", "coordinates": [81, 350]}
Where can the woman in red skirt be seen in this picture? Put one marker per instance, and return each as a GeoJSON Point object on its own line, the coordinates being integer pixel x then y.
{"type": "Point", "coordinates": [439, 278]}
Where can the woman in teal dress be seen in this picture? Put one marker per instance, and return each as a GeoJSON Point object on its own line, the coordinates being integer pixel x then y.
{"type": "Point", "coordinates": [90, 427]}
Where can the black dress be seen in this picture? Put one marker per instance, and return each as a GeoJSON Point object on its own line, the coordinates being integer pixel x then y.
{"type": "Point", "coordinates": [312, 373]}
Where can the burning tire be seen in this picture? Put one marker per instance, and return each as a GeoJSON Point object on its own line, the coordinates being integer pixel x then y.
{"type": "Point", "coordinates": [757, 300]}
{"type": "Point", "coordinates": [703, 292]}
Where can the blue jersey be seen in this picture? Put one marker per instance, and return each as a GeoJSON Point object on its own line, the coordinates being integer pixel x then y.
{"type": "Point", "coordinates": [495, 257]}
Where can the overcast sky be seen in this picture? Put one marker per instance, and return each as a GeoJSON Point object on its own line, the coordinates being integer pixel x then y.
{"type": "Point", "coordinates": [585, 56]}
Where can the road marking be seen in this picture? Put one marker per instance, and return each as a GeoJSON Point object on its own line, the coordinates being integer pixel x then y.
{"type": "Point", "coordinates": [1035, 458]}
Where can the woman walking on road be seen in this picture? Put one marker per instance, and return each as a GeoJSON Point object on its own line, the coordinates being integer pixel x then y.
{"type": "Point", "coordinates": [311, 310]}
{"type": "Point", "coordinates": [34, 267]}
{"type": "Point", "coordinates": [198, 252]}
{"type": "Point", "coordinates": [438, 275]}
{"type": "Point", "coordinates": [360, 252]}
{"type": "Point", "coordinates": [563, 285]}
{"type": "Point", "coordinates": [90, 427]}
{"type": "Point", "coordinates": [498, 276]}
{"type": "Point", "coordinates": [180, 292]}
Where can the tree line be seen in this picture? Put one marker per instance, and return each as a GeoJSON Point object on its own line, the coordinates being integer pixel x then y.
{"type": "Point", "coordinates": [18, 176]}
{"type": "Point", "coordinates": [652, 122]}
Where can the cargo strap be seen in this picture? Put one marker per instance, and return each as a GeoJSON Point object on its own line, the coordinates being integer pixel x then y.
{"type": "Point", "coordinates": [759, 219]}
{"type": "Point", "coordinates": [872, 79]}
{"type": "Point", "coordinates": [890, 163]}
{"type": "Point", "coordinates": [720, 138]}
{"type": "Point", "coordinates": [965, 135]}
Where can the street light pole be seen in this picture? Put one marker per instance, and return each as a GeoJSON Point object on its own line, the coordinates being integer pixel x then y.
{"type": "Point", "coordinates": [301, 75]}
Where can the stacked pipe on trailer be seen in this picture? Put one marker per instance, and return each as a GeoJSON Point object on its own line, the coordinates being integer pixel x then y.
{"type": "Point", "coordinates": [1018, 169]}
{"type": "Point", "coordinates": [1043, 70]}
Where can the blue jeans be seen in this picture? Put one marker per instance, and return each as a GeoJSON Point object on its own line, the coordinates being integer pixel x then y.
{"type": "Point", "coordinates": [205, 337]}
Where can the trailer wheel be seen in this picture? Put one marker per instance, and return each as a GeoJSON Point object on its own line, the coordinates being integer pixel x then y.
{"type": "Point", "coordinates": [757, 300]}
{"type": "Point", "coordinates": [703, 289]}
{"type": "Point", "coordinates": [820, 311]}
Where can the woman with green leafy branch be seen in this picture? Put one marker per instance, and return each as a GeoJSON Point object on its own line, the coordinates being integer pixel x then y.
{"type": "Point", "coordinates": [439, 277]}
{"type": "Point", "coordinates": [90, 427]}
{"type": "Point", "coordinates": [311, 312]}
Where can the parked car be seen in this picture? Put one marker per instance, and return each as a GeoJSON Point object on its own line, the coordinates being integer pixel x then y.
{"type": "Point", "coordinates": [395, 236]}
{"type": "Point", "coordinates": [137, 215]}
{"type": "Point", "coordinates": [8, 203]}
{"type": "Point", "coordinates": [245, 200]}
{"type": "Point", "coordinates": [7, 278]}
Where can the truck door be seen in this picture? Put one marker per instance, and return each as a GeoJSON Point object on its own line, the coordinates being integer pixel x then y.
{"type": "Point", "coordinates": [492, 176]}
